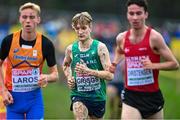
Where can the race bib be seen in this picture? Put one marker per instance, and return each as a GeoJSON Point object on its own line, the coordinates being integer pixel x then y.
{"type": "Point", "coordinates": [139, 76]}
{"type": "Point", "coordinates": [88, 83]}
{"type": "Point", "coordinates": [25, 80]}
{"type": "Point", "coordinates": [136, 75]}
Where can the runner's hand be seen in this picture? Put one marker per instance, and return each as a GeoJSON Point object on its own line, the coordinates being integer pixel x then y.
{"type": "Point", "coordinates": [147, 64]}
{"type": "Point", "coordinates": [7, 97]}
{"type": "Point", "coordinates": [112, 68]}
{"type": "Point", "coordinates": [81, 68]}
{"type": "Point", "coordinates": [71, 82]}
{"type": "Point", "coordinates": [43, 80]}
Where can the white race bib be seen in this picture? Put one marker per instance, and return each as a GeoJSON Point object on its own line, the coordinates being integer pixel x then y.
{"type": "Point", "coordinates": [25, 80]}
{"type": "Point", "coordinates": [136, 75]}
{"type": "Point", "coordinates": [88, 83]}
{"type": "Point", "coordinates": [139, 76]}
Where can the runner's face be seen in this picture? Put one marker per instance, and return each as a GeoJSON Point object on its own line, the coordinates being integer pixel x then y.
{"type": "Point", "coordinates": [136, 16]}
{"type": "Point", "coordinates": [29, 20]}
{"type": "Point", "coordinates": [83, 32]}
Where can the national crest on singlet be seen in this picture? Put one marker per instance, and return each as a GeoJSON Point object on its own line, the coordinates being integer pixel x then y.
{"type": "Point", "coordinates": [24, 65]}
{"type": "Point", "coordinates": [138, 78]}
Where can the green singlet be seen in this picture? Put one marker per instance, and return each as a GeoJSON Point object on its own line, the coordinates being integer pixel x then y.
{"type": "Point", "coordinates": [88, 87]}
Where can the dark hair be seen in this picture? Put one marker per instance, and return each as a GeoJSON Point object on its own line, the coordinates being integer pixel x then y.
{"type": "Point", "coordinates": [141, 3]}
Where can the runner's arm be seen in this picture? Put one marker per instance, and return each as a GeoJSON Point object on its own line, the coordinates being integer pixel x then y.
{"type": "Point", "coordinates": [67, 62]}
{"type": "Point", "coordinates": [105, 61]}
{"type": "Point", "coordinates": [4, 51]}
{"type": "Point", "coordinates": [48, 54]}
{"type": "Point", "coordinates": [2, 86]}
{"type": "Point", "coordinates": [7, 97]}
{"type": "Point", "coordinates": [159, 47]}
{"type": "Point", "coordinates": [67, 68]}
{"type": "Point", "coordinates": [53, 75]}
{"type": "Point", "coordinates": [119, 53]}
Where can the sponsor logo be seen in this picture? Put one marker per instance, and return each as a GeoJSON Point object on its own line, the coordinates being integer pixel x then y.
{"type": "Point", "coordinates": [142, 49]}
{"type": "Point", "coordinates": [34, 53]}
{"type": "Point", "coordinates": [16, 50]}
{"type": "Point", "coordinates": [76, 55]}
{"type": "Point", "coordinates": [25, 58]}
{"type": "Point", "coordinates": [159, 107]}
{"type": "Point", "coordinates": [126, 50]}
{"type": "Point", "coordinates": [92, 52]}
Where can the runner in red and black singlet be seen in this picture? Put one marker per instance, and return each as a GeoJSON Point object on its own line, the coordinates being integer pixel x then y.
{"type": "Point", "coordinates": [138, 78]}
{"type": "Point", "coordinates": [142, 48]}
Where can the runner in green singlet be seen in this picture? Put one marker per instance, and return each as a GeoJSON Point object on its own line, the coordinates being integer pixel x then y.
{"type": "Point", "coordinates": [86, 66]}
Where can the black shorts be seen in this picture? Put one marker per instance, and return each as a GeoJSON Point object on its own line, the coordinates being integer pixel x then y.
{"type": "Point", "coordinates": [148, 103]}
{"type": "Point", "coordinates": [95, 108]}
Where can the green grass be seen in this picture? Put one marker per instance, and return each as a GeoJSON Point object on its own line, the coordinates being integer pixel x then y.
{"type": "Point", "coordinates": [57, 101]}
{"type": "Point", "coordinates": [170, 86]}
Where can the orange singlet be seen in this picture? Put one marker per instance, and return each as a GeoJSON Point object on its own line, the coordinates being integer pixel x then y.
{"type": "Point", "coordinates": [24, 65]}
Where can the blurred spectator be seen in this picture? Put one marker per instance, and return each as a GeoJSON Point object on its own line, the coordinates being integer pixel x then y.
{"type": "Point", "coordinates": [4, 28]}
{"type": "Point", "coordinates": [177, 32]}
{"type": "Point", "coordinates": [166, 36]}
{"type": "Point", "coordinates": [53, 27]}
{"type": "Point", "coordinates": [105, 31]}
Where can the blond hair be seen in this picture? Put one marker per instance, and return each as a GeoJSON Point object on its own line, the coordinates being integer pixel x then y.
{"type": "Point", "coordinates": [32, 6]}
{"type": "Point", "coordinates": [83, 18]}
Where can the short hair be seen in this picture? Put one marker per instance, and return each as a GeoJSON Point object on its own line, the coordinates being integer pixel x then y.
{"type": "Point", "coordinates": [83, 18]}
{"type": "Point", "coordinates": [32, 6]}
{"type": "Point", "coordinates": [141, 3]}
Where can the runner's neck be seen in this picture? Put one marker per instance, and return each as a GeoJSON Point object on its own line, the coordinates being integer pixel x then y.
{"type": "Point", "coordinates": [28, 36]}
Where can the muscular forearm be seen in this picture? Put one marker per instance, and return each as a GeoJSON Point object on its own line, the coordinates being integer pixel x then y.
{"type": "Point", "coordinates": [2, 86]}
{"type": "Point", "coordinates": [67, 71]}
{"type": "Point", "coordinates": [166, 66]}
{"type": "Point", "coordinates": [118, 56]}
{"type": "Point", "coordinates": [101, 74]}
{"type": "Point", "coordinates": [52, 77]}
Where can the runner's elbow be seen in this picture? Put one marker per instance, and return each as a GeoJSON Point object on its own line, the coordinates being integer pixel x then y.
{"type": "Point", "coordinates": [177, 66]}
{"type": "Point", "coordinates": [110, 77]}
